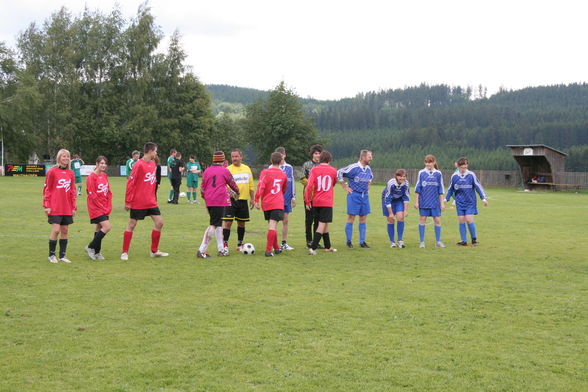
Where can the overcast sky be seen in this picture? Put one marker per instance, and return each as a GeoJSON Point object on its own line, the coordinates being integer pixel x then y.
{"type": "Point", "coordinates": [336, 49]}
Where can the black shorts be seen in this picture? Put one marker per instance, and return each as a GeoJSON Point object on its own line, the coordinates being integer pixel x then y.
{"type": "Point", "coordinates": [62, 220]}
{"type": "Point", "coordinates": [239, 210]}
{"type": "Point", "coordinates": [277, 215]}
{"type": "Point", "coordinates": [141, 214]}
{"type": "Point", "coordinates": [324, 214]}
{"type": "Point", "coordinates": [99, 219]}
{"type": "Point", "coordinates": [216, 216]}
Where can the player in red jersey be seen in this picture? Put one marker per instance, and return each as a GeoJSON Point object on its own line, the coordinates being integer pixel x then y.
{"type": "Point", "coordinates": [140, 199]}
{"type": "Point", "coordinates": [99, 206]}
{"type": "Point", "coordinates": [319, 196]}
{"type": "Point", "coordinates": [59, 202]}
{"type": "Point", "coordinates": [271, 187]}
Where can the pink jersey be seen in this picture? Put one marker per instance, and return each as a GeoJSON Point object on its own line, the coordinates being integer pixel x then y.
{"type": "Point", "coordinates": [141, 186]}
{"type": "Point", "coordinates": [99, 195]}
{"type": "Point", "coordinates": [59, 192]}
{"type": "Point", "coordinates": [319, 189]}
{"type": "Point", "coordinates": [214, 186]}
{"type": "Point", "coordinates": [271, 187]}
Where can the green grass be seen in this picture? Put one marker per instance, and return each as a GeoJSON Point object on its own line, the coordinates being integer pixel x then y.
{"type": "Point", "coordinates": [509, 315]}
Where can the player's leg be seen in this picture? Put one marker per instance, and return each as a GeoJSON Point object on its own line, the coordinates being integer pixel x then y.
{"type": "Point", "coordinates": [400, 228]}
{"type": "Point", "coordinates": [318, 234]}
{"type": "Point", "coordinates": [422, 223]}
{"type": "Point", "coordinates": [227, 223]}
{"type": "Point", "coordinates": [189, 193]}
{"type": "Point", "coordinates": [53, 236]}
{"type": "Point", "coordinates": [156, 235]}
{"type": "Point", "coordinates": [63, 231]}
{"type": "Point", "coordinates": [472, 228]}
{"type": "Point", "coordinates": [127, 237]}
{"type": "Point", "coordinates": [240, 233]}
{"type": "Point", "coordinates": [362, 231]}
{"type": "Point", "coordinates": [461, 219]}
{"type": "Point", "coordinates": [437, 220]}
{"type": "Point", "coordinates": [308, 220]}
{"type": "Point", "coordinates": [103, 229]}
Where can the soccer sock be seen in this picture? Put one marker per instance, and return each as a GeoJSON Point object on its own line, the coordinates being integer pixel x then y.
{"type": "Point", "coordinates": [271, 238]}
{"type": "Point", "coordinates": [462, 232]}
{"type": "Point", "coordinates": [422, 233]}
{"type": "Point", "coordinates": [52, 247]}
{"type": "Point", "coordinates": [155, 236]}
{"type": "Point", "coordinates": [390, 228]}
{"type": "Point", "coordinates": [79, 189]}
{"type": "Point", "coordinates": [194, 196]}
{"type": "Point", "coordinates": [218, 232]}
{"type": "Point", "coordinates": [327, 240]}
{"type": "Point", "coordinates": [188, 194]}
{"type": "Point", "coordinates": [472, 227]}
{"type": "Point", "coordinates": [349, 231]}
{"type": "Point", "coordinates": [226, 235]}
{"type": "Point", "coordinates": [206, 239]}
{"type": "Point", "coordinates": [437, 233]}
{"type": "Point", "coordinates": [400, 229]}
{"type": "Point", "coordinates": [283, 242]}
{"type": "Point", "coordinates": [96, 243]}
{"type": "Point", "coordinates": [240, 234]}
{"type": "Point", "coordinates": [127, 237]}
{"type": "Point", "coordinates": [362, 230]}
{"type": "Point", "coordinates": [171, 195]}
{"type": "Point", "coordinates": [316, 240]}
{"type": "Point", "coordinates": [62, 248]}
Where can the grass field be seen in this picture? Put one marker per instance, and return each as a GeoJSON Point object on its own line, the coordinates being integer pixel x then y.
{"type": "Point", "coordinates": [509, 315]}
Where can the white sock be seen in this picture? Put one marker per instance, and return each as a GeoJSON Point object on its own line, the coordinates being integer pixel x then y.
{"type": "Point", "coordinates": [206, 239]}
{"type": "Point", "coordinates": [220, 244]}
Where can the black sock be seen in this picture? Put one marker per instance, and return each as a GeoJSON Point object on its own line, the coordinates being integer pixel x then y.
{"type": "Point", "coordinates": [316, 240]}
{"type": "Point", "coordinates": [226, 235]}
{"type": "Point", "coordinates": [62, 248]}
{"type": "Point", "coordinates": [96, 244]}
{"type": "Point", "coordinates": [327, 240]}
{"type": "Point", "coordinates": [240, 234]}
{"type": "Point", "coordinates": [52, 246]}
{"type": "Point", "coordinates": [283, 241]}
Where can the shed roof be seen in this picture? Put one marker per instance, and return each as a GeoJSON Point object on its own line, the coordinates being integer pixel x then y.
{"type": "Point", "coordinates": [536, 145]}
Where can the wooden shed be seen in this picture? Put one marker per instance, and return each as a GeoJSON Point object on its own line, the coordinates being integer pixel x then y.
{"type": "Point", "coordinates": [540, 165]}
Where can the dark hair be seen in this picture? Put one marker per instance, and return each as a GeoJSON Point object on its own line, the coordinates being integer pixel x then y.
{"type": "Point", "coordinates": [315, 148]}
{"type": "Point", "coordinates": [401, 172]}
{"type": "Point", "coordinates": [276, 158]}
{"type": "Point", "coordinates": [178, 154]}
{"type": "Point", "coordinates": [281, 150]}
{"type": "Point", "coordinates": [101, 158]}
{"type": "Point", "coordinates": [237, 150]}
{"type": "Point", "coordinates": [462, 161]}
{"type": "Point", "coordinates": [431, 158]}
{"type": "Point", "coordinates": [326, 157]}
{"type": "Point", "coordinates": [149, 146]}
{"type": "Point", "coordinates": [172, 151]}
{"type": "Point", "coordinates": [192, 157]}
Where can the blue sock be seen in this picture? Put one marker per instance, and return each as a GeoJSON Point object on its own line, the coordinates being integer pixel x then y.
{"type": "Point", "coordinates": [422, 232]}
{"type": "Point", "coordinates": [438, 233]}
{"type": "Point", "coordinates": [362, 229]}
{"type": "Point", "coordinates": [349, 231]}
{"type": "Point", "coordinates": [472, 227]}
{"type": "Point", "coordinates": [462, 232]}
{"type": "Point", "coordinates": [391, 231]}
{"type": "Point", "coordinates": [400, 229]}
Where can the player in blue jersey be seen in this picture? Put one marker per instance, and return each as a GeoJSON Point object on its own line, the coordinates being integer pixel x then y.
{"type": "Point", "coordinates": [464, 185]}
{"type": "Point", "coordinates": [356, 180]}
{"type": "Point", "coordinates": [395, 201]}
{"type": "Point", "coordinates": [429, 199]}
{"type": "Point", "coordinates": [289, 197]}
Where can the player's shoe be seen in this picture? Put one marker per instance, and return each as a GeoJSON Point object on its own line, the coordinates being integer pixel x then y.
{"type": "Point", "coordinates": [331, 250]}
{"type": "Point", "coordinates": [53, 259]}
{"type": "Point", "coordinates": [91, 253]}
{"type": "Point", "coordinates": [462, 243]}
{"type": "Point", "coordinates": [474, 242]}
{"type": "Point", "coordinates": [64, 260]}
{"type": "Point", "coordinates": [393, 245]}
{"type": "Point", "coordinates": [439, 244]}
{"type": "Point", "coordinates": [309, 245]}
{"type": "Point", "coordinates": [223, 253]}
{"type": "Point", "coordinates": [401, 244]}
{"type": "Point", "coordinates": [285, 246]}
{"type": "Point", "coordinates": [319, 246]}
{"type": "Point", "coordinates": [312, 252]}
{"type": "Point", "coordinates": [422, 245]}
{"type": "Point", "coordinates": [238, 248]}
{"type": "Point", "coordinates": [349, 245]}
{"type": "Point", "coordinates": [268, 254]}
{"type": "Point", "coordinates": [364, 245]}
{"type": "Point", "coordinates": [124, 256]}
{"type": "Point", "coordinates": [99, 256]}
{"type": "Point", "coordinates": [277, 251]}
{"type": "Point", "coordinates": [201, 255]}
{"type": "Point", "coordinates": [158, 254]}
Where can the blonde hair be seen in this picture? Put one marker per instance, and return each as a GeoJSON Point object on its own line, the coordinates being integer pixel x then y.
{"type": "Point", "coordinates": [58, 157]}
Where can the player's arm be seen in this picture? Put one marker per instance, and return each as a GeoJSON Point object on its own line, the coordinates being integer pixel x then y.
{"type": "Point", "coordinates": [309, 191]}
{"type": "Point", "coordinates": [251, 190]}
{"type": "Point", "coordinates": [73, 194]}
{"type": "Point", "coordinates": [478, 187]}
{"type": "Point", "coordinates": [130, 190]}
{"type": "Point", "coordinates": [260, 189]}
{"type": "Point", "coordinates": [450, 191]}
{"type": "Point", "coordinates": [441, 192]}
{"type": "Point", "coordinates": [341, 175]}
{"type": "Point", "coordinates": [48, 192]}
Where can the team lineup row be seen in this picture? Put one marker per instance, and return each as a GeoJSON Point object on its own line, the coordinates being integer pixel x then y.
{"type": "Point", "coordinates": [229, 193]}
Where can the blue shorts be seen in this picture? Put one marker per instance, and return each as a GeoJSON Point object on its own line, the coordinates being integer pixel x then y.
{"type": "Point", "coordinates": [358, 203]}
{"type": "Point", "coordinates": [430, 211]}
{"type": "Point", "coordinates": [397, 206]}
{"type": "Point", "coordinates": [287, 206]}
{"type": "Point", "coordinates": [466, 211]}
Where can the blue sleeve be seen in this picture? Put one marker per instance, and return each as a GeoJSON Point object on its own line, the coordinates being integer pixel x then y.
{"type": "Point", "coordinates": [388, 195]}
{"type": "Point", "coordinates": [478, 187]}
{"type": "Point", "coordinates": [417, 188]}
{"type": "Point", "coordinates": [441, 186]}
{"type": "Point", "coordinates": [450, 190]}
{"type": "Point", "coordinates": [406, 195]}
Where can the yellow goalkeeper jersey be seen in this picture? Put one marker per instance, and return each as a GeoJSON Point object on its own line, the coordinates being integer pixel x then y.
{"type": "Point", "coordinates": [244, 178]}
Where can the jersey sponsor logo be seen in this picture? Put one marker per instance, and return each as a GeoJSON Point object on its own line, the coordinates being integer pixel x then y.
{"type": "Point", "coordinates": [430, 183]}
{"type": "Point", "coordinates": [102, 188]}
{"type": "Point", "coordinates": [362, 179]}
{"type": "Point", "coordinates": [242, 178]}
{"type": "Point", "coordinates": [65, 184]}
{"type": "Point", "coordinates": [464, 186]}
{"type": "Point", "coordinates": [150, 177]}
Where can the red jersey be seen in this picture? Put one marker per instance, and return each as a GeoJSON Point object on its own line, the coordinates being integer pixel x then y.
{"type": "Point", "coordinates": [59, 191]}
{"type": "Point", "coordinates": [320, 187]}
{"type": "Point", "coordinates": [141, 186]}
{"type": "Point", "coordinates": [271, 187]}
{"type": "Point", "coordinates": [99, 195]}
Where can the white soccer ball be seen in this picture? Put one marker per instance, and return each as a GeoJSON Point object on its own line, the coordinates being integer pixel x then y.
{"type": "Point", "coordinates": [248, 249]}
{"type": "Point", "coordinates": [182, 194]}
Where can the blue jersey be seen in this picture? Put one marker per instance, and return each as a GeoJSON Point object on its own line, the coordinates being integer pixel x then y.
{"type": "Point", "coordinates": [394, 193]}
{"type": "Point", "coordinates": [291, 189]}
{"type": "Point", "coordinates": [429, 186]}
{"type": "Point", "coordinates": [464, 187]}
{"type": "Point", "coordinates": [358, 176]}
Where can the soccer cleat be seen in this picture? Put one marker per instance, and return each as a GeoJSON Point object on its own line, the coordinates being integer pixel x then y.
{"type": "Point", "coordinates": [158, 253]}
{"type": "Point", "coordinates": [319, 246]}
{"type": "Point", "coordinates": [474, 242]}
{"type": "Point", "coordinates": [99, 256]}
{"type": "Point", "coordinates": [393, 245]}
{"type": "Point", "coordinates": [349, 245]}
{"type": "Point", "coordinates": [364, 245]}
{"type": "Point", "coordinates": [268, 254]}
{"type": "Point", "coordinates": [439, 244]}
{"type": "Point", "coordinates": [309, 245]}
{"type": "Point", "coordinates": [53, 259]}
{"type": "Point", "coordinates": [201, 255]}
{"type": "Point", "coordinates": [124, 256]}
{"type": "Point", "coordinates": [64, 260]}
{"type": "Point", "coordinates": [462, 243]}
{"type": "Point", "coordinates": [222, 253]}
{"type": "Point", "coordinates": [312, 252]}
{"type": "Point", "coordinates": [277, 251]}
{"type": "Point", "coordinates": [331, 250]}
{"type": "Point", "coordinates": [239, 246]}
{"type": "Point", "coordinates": [422, 245]}
{"type": "Point", "coordinates": [401, 244]}
{"type": "Point", "coordinates": [91, 253]}
{"type": "Point", "coordinates": [285, 246]}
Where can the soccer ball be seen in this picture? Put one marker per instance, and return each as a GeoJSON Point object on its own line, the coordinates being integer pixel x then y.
{"type": "Point", "coordinates": [248, 249]}
{"type": "Point", "coordinates": [182, 194]}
